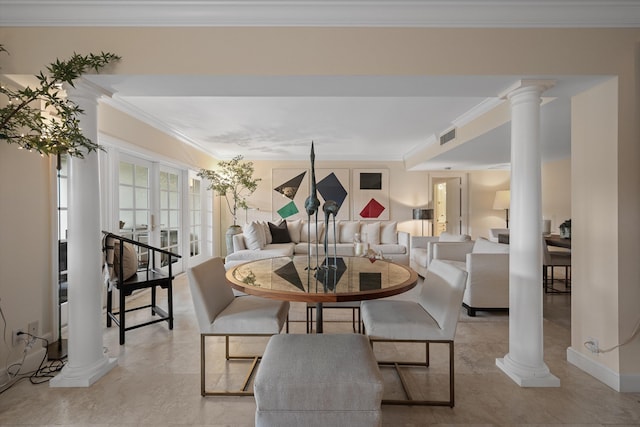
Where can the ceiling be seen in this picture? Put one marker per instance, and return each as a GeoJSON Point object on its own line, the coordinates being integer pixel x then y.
{"type": "Point", "coordinates": [373, 118]}
{"type": "Point", "coordinates": [370, 118]}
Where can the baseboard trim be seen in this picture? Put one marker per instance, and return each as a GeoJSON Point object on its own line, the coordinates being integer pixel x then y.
{"type": "Point", "coordinates": [629, 383]}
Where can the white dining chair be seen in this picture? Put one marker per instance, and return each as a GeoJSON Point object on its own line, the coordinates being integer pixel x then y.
{"type": "Point", "coordinates": [433, 318]}
{"type": "Point", "coordinates": [220, 313]}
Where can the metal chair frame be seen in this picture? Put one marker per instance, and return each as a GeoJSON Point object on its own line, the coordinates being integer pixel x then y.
{"type": "Point", "coordinates": [410, 400]}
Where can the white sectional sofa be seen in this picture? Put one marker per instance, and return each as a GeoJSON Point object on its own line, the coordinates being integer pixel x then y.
{"type": "Point", "coordinates": [422, 249]}
{"type": "Point", "coordinates": [487, 265]}
{"type": "Point", "coordinates": [261, 240]}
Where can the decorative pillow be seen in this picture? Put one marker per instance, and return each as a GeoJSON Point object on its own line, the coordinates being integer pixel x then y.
{"type": "Point", "coordinates": [294, 230]}
{"type": "Point", "coordinates": [112, 259]}
{"type": "Point", "coordinates": [448, 237]}
{"type": "Point", "coordinates": [371, 232]}
{"type": "Point", "coordinates": [254, 236]}
{"type": "Point", "coordinates": [484, 246]}
{"type": "Point", "coordinates": [347, 230]}
{"type": "Point", "coordinates": [267, 233]}
{"type": "Point", "coordinates": [389, 233]}
{"type": "Point", "coordinates": [332, 236]}
{"type": "Point", "coordinates": [280, 232]}
{"type": "Point", "coordinates": [309, 235]}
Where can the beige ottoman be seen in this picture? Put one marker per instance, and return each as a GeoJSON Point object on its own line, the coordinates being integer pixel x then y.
{"type": "Point", "coordinates": [318, 380]}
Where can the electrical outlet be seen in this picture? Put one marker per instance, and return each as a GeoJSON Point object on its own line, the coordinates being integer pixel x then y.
{"type": "Point", "coordinates": [33, 329]}
{"type": "Point", "coordinates": [16, 339]}
{"type": "Point", "coordinates": [592, 345]}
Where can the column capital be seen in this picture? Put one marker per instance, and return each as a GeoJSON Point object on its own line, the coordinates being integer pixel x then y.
{"type": "Point", "coordinates": [83, 88]}
{"type": "Point", "coordinates": [540, 85]}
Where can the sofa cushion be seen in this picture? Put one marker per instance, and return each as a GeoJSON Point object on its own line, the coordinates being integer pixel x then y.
{"type": "Point", "coordinates": [371, 233]}
{"type": "Point", "coordinates": [308, 234]}
{"type": "Point", "coordinates": [279, 233]}
{"type": "Point", "coordinates": [348, 229]}
{"type": "Point", "coordinates": [389, 233]}
{"type": "Point", "coordinates": [294, 230]}
{"type": "Point", "coordinates": [267, 232]}
{"type": "Point", "coordinates": [254, 236]}
{"type": "Point", "coordinates": [448, 237]}
{"type": "Point", "coordinates": [484, 246]}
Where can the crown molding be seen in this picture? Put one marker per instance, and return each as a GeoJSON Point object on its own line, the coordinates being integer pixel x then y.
{"type": "Point", "coordinates": [323, 13]}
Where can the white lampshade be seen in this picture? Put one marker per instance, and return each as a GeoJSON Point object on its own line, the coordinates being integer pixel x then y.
{"type": "Point", "coordinates": [502, 200]}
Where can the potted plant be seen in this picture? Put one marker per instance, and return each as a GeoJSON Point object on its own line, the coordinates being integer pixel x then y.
{"type": "Point", "coordinates": [565, 229]}
{"type": "Point", "coordinates": [42, 118]}
{"type": "Point", "coordinates": [234, 181]}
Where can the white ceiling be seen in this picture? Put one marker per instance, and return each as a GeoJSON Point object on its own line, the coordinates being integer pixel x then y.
{"type": "Point", "coordinates": [349, 118]}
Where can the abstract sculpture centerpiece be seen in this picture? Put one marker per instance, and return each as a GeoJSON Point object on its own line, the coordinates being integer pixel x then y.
{"type": "Point", "coordinates": [330, 207]}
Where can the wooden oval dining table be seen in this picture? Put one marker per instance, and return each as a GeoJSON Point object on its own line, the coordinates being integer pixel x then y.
{"type": "Point", "coordinates": [320, 280]}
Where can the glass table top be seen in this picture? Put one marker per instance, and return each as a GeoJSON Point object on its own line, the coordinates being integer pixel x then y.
{"type": "Point", "coordinates": [336, 279]}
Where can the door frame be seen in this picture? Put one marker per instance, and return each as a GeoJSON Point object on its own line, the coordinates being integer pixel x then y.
{"type": "Point", "coordinates": [464, 202]}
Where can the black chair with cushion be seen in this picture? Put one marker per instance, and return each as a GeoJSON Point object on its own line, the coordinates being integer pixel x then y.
{"type": "Point", "coordinates": [127, 276]}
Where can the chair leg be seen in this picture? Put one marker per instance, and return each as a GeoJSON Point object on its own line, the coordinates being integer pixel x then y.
{"type": "Point", "coordinates": [409, 399]}
{"type": "Point", "coordinates": [170, 304]}
{"type": "Point", "coordinates": [122, 313]}
{"type": "Point", "coordinates": [243, 390]}
{"type": "Point", "coordinates": [109, 307]}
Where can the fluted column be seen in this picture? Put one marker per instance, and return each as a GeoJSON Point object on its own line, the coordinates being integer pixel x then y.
{"type": "Point", "coordinates": [87, 360]}
{"type": "Point", "coordinates": [525, 363]}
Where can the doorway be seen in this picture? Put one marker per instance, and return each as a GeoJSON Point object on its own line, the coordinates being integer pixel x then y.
{"type": "Point", "coordinates": [449, 204]}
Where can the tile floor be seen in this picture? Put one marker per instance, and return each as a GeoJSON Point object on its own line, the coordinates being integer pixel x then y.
{"type": "Point", "coordinates": [156, 382]}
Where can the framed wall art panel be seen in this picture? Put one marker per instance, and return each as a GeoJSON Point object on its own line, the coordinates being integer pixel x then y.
{"type": "Point", "coordinates": [289, 190]}
{"type": "Point", "coordinates": [333, 184]}
{"type": "Point", "coordinates": [371, 194]}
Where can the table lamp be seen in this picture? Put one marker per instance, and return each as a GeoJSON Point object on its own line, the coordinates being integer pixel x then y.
{"type": "Point", "coordinates": [503, 201]}
{"type": "Point", "coordinates": [423, 214]}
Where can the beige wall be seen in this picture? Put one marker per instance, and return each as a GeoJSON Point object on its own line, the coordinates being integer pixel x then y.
{"type": "Point", "coordinates": [556, 192]}
{"type": "Point", "coordinates": [392, 51]}
{"type": "Point", "coordinates": [596, 206]}
{"type": "Point", "coordinates": [26, 217]}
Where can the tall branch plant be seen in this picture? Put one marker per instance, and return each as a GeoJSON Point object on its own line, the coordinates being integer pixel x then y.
{"type": "Point", "coordinates": [234, 181]}
{"type": "Point", "coordinates": [42, 118]}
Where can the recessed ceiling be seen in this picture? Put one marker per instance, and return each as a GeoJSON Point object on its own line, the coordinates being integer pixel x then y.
{"type": "Point", "coordinates": [368, 118]}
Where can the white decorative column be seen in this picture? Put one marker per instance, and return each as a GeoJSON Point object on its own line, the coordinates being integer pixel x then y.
{"type": "Point", "coordinates": [524, 363]}
{"type": "Point", "coordinates": [87, 360]}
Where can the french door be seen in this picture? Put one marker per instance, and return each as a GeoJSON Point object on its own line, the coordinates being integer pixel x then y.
{"type": "Point", "coordinates": [149, 207]}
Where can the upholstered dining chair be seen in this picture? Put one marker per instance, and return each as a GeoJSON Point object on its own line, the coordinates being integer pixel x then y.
{"type": "Point", "coordinates": [551, 260]}
{"type": "Point", "coordinates": [220, 313]}
{"type": "Point", "coordinates": [433, 318]}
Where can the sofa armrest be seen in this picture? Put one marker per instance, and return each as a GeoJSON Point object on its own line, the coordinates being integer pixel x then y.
{"type": "Point", "coordinates": [238, 242]}
{"type": "Point", "coordinates": [453, 251]}
{"type": "Point", "coordinates": [404, 239]}
{"type": "Point", "coordinates": [488, 281]}
{"type": "Point", "coordinates": [422, 241]}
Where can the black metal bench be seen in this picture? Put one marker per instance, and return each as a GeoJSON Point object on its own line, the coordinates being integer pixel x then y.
{"type": "Point", "coordinates": [148, 276]}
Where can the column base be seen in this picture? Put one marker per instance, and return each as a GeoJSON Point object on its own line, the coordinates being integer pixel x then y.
{"type": "Point", "coordinates": [84, 376]}
{"type": "Point", "coordinates": [526, 376]}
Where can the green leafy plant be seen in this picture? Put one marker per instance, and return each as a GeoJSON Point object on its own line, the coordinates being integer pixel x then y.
{"type": "Point", "coordinates": [234, 181]}
{"type": "Point", "coordinates": [43, 119]}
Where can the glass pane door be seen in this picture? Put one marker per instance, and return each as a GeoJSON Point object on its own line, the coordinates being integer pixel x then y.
{"type": "Point", "coordinates": [195, 216]}
{"type": "Point", "coordinates": [134, 193]}
{"type": "Point", "coordinates": [170, 224]}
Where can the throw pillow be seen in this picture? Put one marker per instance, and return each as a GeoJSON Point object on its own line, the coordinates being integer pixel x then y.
{"type": "Point", "coordinates": [389, 233]}
{"type": "Point", "coordinates": [484, 246]}
{"type": "Point", "coordinates": [294, 230]}
{"type": "Point", "coordinates": [309, 235]}
{"type": "Point", "coordinates": [254, 236]}
{"type": "Point", "coordinates": [331, 238]}
{"type": "Point", "coordinates": [371, 233]}
{"type": "Point", "coordinates": [347, 230]}
{"type": "Point", "coordinates": [267, 232]}
{"type": "Point", "coordinates": [112, 259]}
{"type": "Point", "coordinates": [279, 233]}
